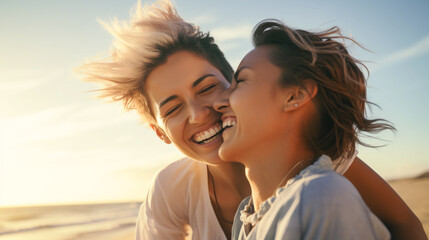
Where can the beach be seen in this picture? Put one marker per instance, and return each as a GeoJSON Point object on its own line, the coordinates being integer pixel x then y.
{"type": "Point", "coordinates": [415, 192]}
{"type": "Point", "coordinates": [116, 221]}
{"type": "Point", "coordinates": [107, 221]}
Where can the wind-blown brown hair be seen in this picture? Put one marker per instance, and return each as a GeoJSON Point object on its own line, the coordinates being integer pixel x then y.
{"type": "Point", "coordinates": [153, 34]}
{"type": "Point", "coordinates": [341, 98]}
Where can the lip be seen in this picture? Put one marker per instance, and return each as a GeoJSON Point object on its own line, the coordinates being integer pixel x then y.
{"type": "Point", "coordinates": [225, 116]}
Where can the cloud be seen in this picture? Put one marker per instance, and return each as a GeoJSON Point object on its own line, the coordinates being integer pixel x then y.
{"type": "Point", "coordinates": [61, 122]}
{"type": "Point", "coordinates": [203, 19]}
{"type": "Point", "coordinates": [418, 49]}
{"type": "Point", "coordinates": [238, 32]}
{"type": "Point", "coordinates": [24, 79]}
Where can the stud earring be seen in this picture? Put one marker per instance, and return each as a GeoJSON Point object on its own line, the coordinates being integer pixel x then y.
{"type": "Point", "coordinates": [295, 105]}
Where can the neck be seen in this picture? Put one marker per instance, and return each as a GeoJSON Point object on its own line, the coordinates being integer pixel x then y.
{"type": "Point", "coordinates": [271, 168]}
{"type": "Point", "coordinates": [227, 187]}
{"type": "Point", "coordinates": [231, 177]}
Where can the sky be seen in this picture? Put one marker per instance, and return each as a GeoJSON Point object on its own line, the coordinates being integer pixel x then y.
{"type": "Point", "coordinates": [59, 144]}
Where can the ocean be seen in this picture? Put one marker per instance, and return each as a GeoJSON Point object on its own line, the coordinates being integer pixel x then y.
{"type": "Point", "coordinates": [66, 222]}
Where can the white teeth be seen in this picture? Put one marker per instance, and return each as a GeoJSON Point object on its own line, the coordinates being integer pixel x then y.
{"type": "Point", "coordinates": [218, 128]}
{"type": "Point", "coordinates": [228, 123]}
{"type": "Point", "coordinates": [207, 135]}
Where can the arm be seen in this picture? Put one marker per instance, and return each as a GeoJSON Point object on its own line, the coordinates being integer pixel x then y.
{"type": "Point", "coordinates": [385, 202]}
{"type": "Point", "coordinates": [152, 225]}
{"type": "Point", "coordinates": [159, 217]}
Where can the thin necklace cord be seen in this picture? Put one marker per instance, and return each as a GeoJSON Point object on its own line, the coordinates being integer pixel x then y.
{"type": "Point", "coordinates": [215, 197]}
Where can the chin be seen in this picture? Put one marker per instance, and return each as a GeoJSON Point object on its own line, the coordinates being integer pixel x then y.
{"type": "Point", "coordinates": [212, 159]}
{"type": "Point", "coordinates": [226, 154]}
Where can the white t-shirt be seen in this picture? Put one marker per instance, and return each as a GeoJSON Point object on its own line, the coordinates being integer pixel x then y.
{"type": "Point", "coordinates": [179, 200]}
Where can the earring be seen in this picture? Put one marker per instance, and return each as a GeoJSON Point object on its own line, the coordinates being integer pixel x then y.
{"type": "Point", "coordinates": [295, 105]}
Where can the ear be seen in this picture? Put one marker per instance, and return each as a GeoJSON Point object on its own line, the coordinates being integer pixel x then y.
{"type": "Point", "coordinates": [160, 133]}
{"type": "Point", "coordinates": [298, 96]}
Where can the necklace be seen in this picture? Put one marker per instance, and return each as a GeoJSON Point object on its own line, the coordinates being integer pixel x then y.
{"type": "Point", "coordinates": [285, 177]}
{"type": "Point", "coordinates": [216, 201]}
{"type": "Point", "coordinates": [249, 205]}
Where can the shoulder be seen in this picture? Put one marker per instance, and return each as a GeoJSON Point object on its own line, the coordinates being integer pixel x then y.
{"type": "Point", "coordinates": [327, 187]}
{"type": "Point", "coordinates": [178, 176]}
{"type": "Point", "coordinates": [342, 164]}
{"type": "Point", "coordinates": [164, 213]}
{"type": "Point", "coordinates": [328, 195]}
{"type": "Point", "coordinates": [173, 187]}
{"type": "Point", "coordinates": [328, 200]}
{"type": "Point", "coordinates": [318, 192]}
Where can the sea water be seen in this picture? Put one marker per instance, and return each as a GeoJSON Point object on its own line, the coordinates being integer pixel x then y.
{"type": "Point", "coordinates": [65, 222]}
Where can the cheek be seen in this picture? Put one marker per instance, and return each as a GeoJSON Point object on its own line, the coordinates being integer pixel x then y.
{"type": "Point", "coordinates": [244, 102]}
{"type": "Point", "coordinates": [234, 101]}
{"type": "Point", "coordinates": [173, 129]}
{"type": "Point", "coordinates": [170, 131]}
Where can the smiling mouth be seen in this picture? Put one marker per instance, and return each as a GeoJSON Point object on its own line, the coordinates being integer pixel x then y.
{"type": "Point", "coordinates": [208, 135]}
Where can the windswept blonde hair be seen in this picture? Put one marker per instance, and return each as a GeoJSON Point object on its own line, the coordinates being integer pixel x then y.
{"type": "Point", "coordinates": [140, 45]}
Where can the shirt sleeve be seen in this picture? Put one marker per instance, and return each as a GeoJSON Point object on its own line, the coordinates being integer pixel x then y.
{"type": "Point", "coordinates": [161, 216]}
{"type": "Point", "coordinates": [343, 164]}
{"type": "Point", "coordinates": [331, 208]}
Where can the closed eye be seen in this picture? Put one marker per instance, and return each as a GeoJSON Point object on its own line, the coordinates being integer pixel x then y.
{"type": "Point", "coordinates": [172, 110]}
{"type": "Point", "coordinates": [207, 89]}
{"type": "Point", "coordinates": [236, 82]}
{"type": "Point", "coordinates": [239, 81]}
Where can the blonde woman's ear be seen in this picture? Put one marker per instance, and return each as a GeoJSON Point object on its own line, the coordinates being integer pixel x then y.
{"type": "Point", "coordinates": [160, 133]}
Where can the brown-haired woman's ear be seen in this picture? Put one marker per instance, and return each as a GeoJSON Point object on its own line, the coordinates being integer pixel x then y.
{"type": "Point", "coordinates": [300, 95]}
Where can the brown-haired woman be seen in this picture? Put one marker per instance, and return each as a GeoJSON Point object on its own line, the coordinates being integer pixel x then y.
{"type": "Point", "coordinates": [297, 101]}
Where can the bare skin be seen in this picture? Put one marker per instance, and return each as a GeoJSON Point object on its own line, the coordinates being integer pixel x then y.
{"type": "Point", "coordinates": [231, 188]}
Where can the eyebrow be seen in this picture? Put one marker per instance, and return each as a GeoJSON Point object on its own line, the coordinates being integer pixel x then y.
{"type": "Point", "coordinates": [200, 79]}
{"type": "Point", "coordinates": [238, 72]}
{"type": "Point", "coordinates": [194, 84]}
{"type": "Point", "coordinates": [170, 98]}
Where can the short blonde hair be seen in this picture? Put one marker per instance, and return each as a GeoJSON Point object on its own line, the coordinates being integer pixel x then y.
{"type": "Point", "coordinates": [153, 33]}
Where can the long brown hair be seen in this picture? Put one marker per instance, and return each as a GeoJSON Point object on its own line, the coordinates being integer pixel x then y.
{"type": "Point", "coordinates": [341, 99]}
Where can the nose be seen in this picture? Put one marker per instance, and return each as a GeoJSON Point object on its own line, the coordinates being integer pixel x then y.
{"type": "Point", "coordinates": [222, 102]}
{"type": "Point", "coordinates": [198, 113]}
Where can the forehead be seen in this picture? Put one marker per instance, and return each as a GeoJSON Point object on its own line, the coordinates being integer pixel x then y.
{"type": "Point", "coordinates": [178, 74]}
{"type": "Point", "coordinates": [257, 57]}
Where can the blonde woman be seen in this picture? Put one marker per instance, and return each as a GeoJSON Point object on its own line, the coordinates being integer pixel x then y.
{"type": "Point", "coordinates": [171, 73]}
